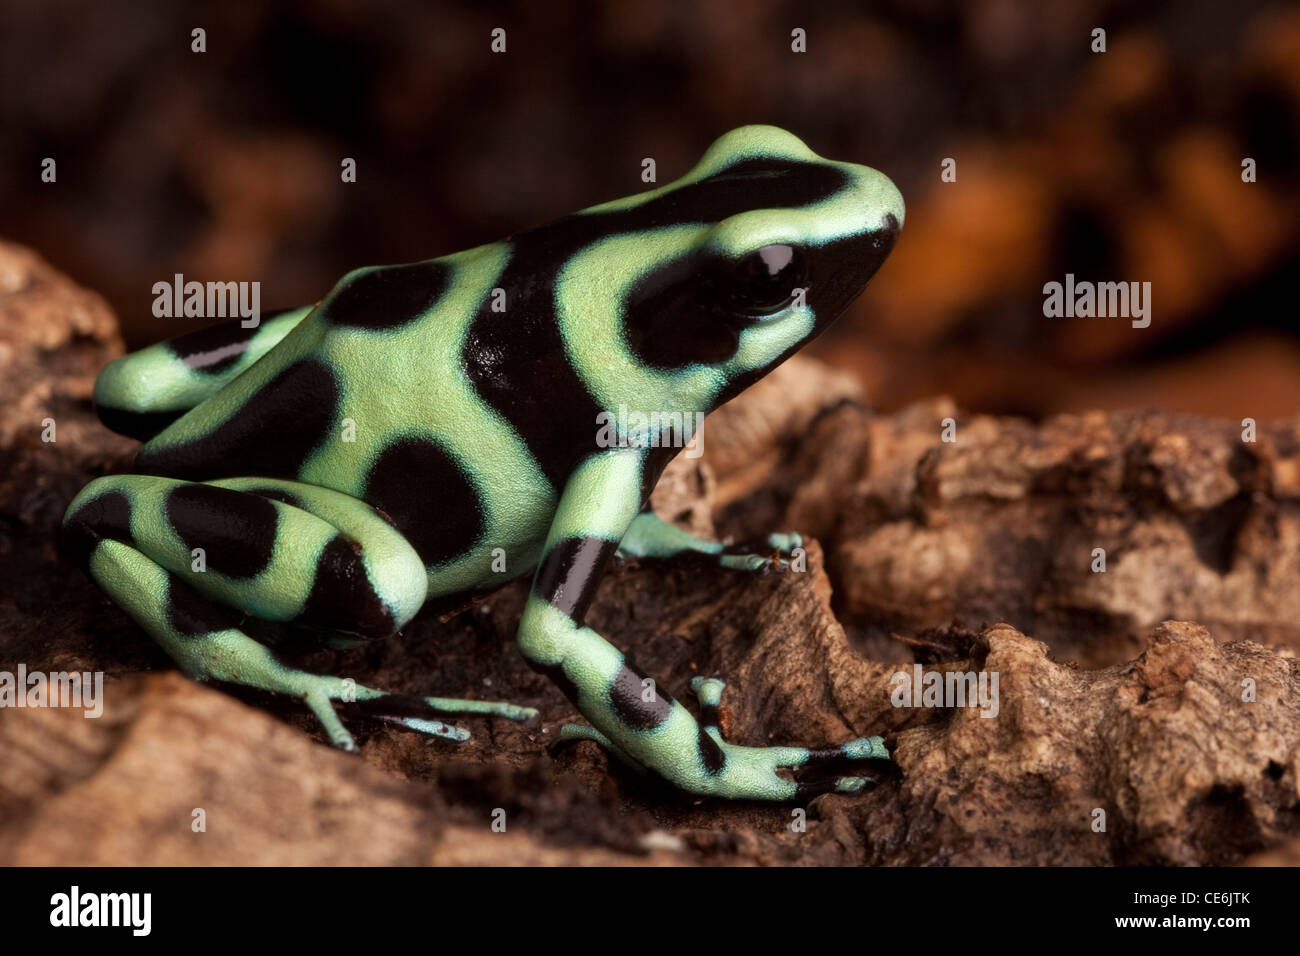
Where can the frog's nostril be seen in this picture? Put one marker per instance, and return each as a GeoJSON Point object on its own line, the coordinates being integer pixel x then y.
{"type": "Point", "coordinates": [872, 247]}
{"type": "Point", "coordinates": [882, 240]}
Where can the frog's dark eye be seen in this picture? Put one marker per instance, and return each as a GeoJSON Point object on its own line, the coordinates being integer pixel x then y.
{"type": "Point", "coordinates": [765, 280]}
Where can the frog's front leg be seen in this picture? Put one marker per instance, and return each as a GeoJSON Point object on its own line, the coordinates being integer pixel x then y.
{"type": "Point", "coordinates": [639, 721]}
{"type": "Point", "coordinates": [180, 557]}
{"type": "Point", "coordinates": [649, 536]}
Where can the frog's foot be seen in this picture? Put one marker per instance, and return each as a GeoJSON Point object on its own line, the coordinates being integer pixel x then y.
{"type": "Point", "coordinates": [320, 698]}
{"type": "Point", "coordinates": [817, 765]}
{"type": "Point", "coordinates": [752, 773]}
{"type": "Point", "coordinates": [649, 536]}
{"type": "Point", "coordinates": [208, 644]}
{"type": "Point", "coordinates": [228, 655]}
{"type": "Point", "coordinates": [775, 554]}
{"type": "Point", "coordinates": [410, 711]}
{"type": "Point", "coordinates": [416, 713]}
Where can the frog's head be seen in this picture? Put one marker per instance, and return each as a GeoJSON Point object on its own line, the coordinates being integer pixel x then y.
{"type": "Point", "coordinates": [723, 273]}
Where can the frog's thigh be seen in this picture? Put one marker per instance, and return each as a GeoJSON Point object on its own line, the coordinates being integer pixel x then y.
{"type": "Point", "coordinates": [176, 556]}
{"type": "Point", "coordinates": [279, 550]}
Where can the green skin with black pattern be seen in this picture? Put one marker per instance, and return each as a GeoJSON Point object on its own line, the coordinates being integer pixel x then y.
{"type": "Point", "coordinates": [343, 464]}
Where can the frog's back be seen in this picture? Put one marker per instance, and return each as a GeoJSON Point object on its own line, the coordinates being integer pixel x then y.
{"type": "Point", "coordinates": [369, 395]}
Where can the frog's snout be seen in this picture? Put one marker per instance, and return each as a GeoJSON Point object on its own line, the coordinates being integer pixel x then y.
{"type": "Point", "coordinates": [888, 199]}
{"type": "Point", "coordinates": [874, 212]}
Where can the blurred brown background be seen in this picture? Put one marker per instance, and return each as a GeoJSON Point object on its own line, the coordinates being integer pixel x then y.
{"type": "Point", "coordinates": [1123, 166]}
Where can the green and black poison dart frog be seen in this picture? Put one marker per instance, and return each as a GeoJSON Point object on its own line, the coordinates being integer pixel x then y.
{"type": "Point", "coordinates": [345, 463]}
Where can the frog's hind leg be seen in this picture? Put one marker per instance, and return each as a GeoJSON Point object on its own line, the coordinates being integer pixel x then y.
{"type": "Point", "coordinates": [179, 556]}
{"type": "Point", "coordinates": [142, 393]}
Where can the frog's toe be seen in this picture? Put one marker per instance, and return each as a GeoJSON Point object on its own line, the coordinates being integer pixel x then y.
{"type": "Point", "coordinates": [807, 789]}
{"type": "Point", "coordinates": [434, 728]}
{"type": "Point", "coordinates": [492, 708]}
{"type": "Point", "coordinates": [844, 757]}
{"type": "Point", "coordinates": [318, 702]}
{"type": "Point", "coordinates": [708, 691]}
{"type": "Point", "coordinates": [774, 553]}
{"type": "Point", "coordinates": [748, 562]}
{"type": "Point", "coordinates": [785, 543]}
{"type": "Point", "coordinates": [421, 713]}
